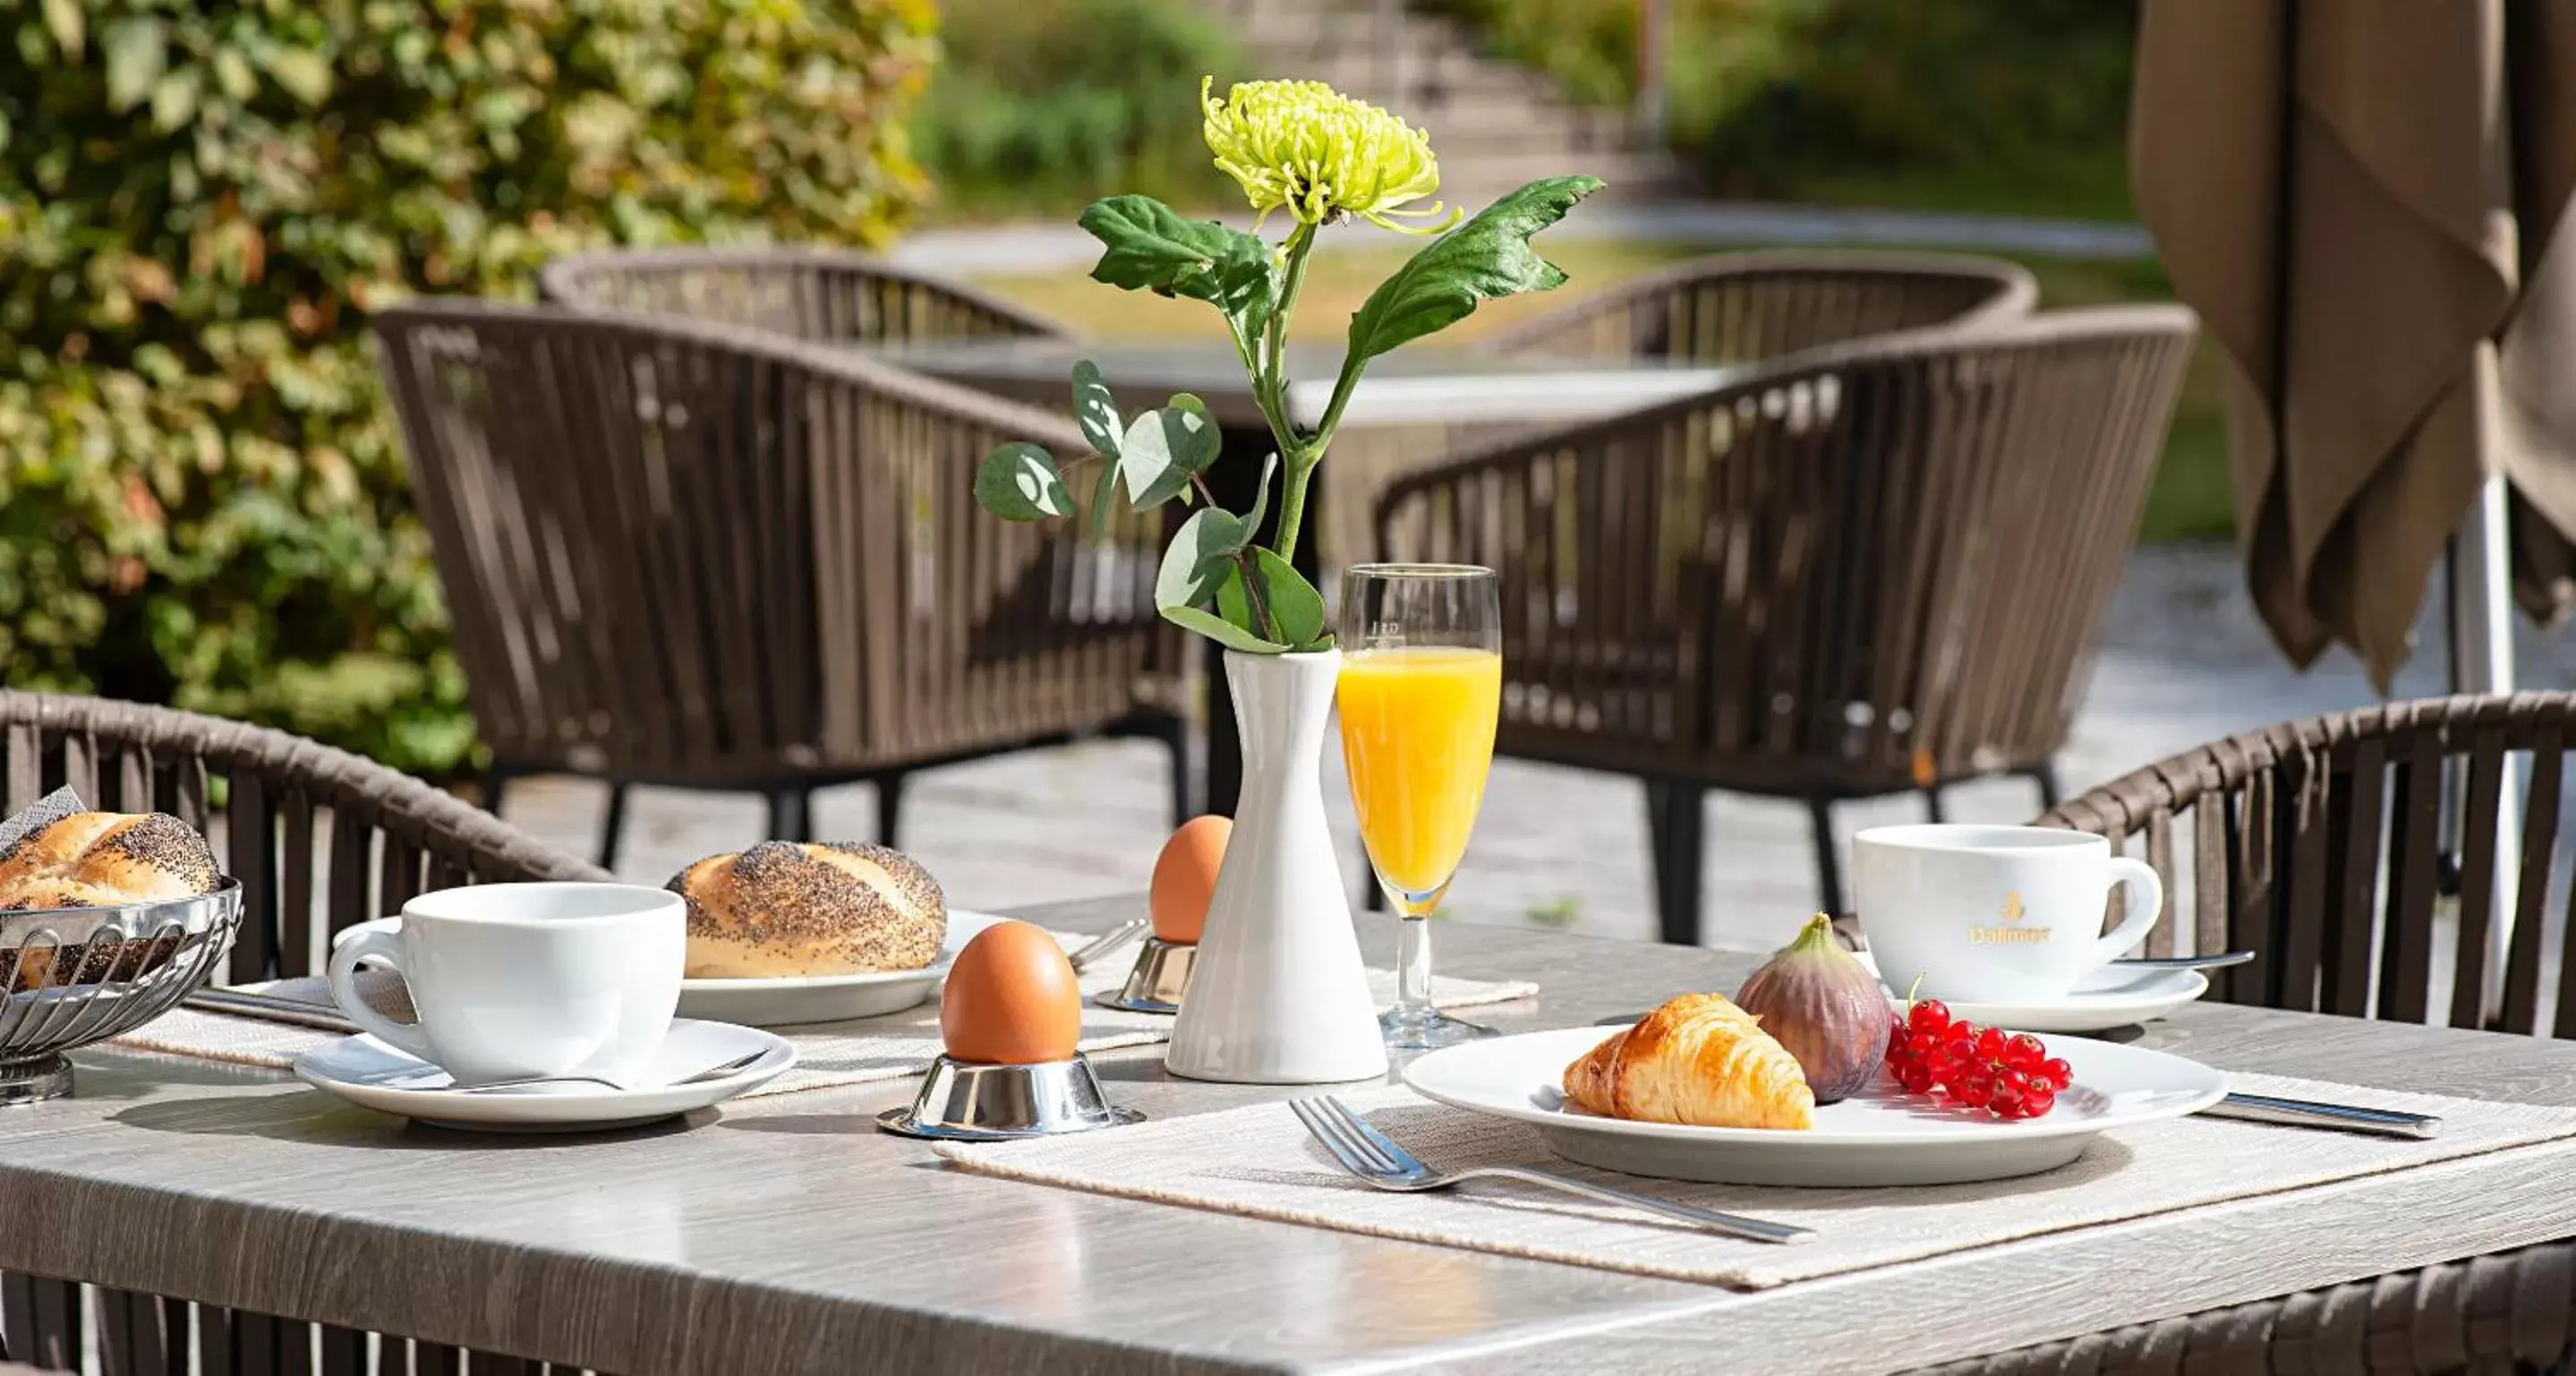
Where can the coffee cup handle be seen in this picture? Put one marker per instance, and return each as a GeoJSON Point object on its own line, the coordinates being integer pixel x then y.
{"type": "Point", "coordinates": [379, 941]}
{"type": "Point", "coordinates": [2133, 929]}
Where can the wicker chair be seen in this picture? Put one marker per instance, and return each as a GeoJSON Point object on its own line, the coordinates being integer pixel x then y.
{"type": "Point", "coordinates": [1726, 308]}
{"type": "Point", "coordinates": [821, 295]}
{"type": "Point", "coordinates": [1751, 307]}
{"type": "Point", "coordinates": [718, 558]}
{"type": "Point", "coordinates": [320, 840]}
{"type": "Point", "coordinates": [2314, 843]}
{"type": "Point", "coordinates": [1862, 571]}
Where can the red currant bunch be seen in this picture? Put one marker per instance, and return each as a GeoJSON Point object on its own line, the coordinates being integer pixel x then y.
{"type": "Point", "coordinates": [2010, 1076]}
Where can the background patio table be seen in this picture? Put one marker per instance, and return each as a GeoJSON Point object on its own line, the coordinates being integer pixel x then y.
{"type": "Point", "coordinates": [787, 1235]}
{"type": "Point", "coordinates": [1409, 388]}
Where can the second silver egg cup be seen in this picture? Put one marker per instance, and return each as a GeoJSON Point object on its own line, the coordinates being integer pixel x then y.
{"type": "Point", "coordinates": [1161, 976]}
{"type": "Point", "coordinates": [961, 1101]}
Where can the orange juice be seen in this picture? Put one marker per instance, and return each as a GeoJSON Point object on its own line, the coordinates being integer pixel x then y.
{"type": "Point", "coordinates": [1418, 738]}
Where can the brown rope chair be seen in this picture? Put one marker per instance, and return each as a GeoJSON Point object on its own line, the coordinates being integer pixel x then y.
{"type": "Point", "coordinates": [1863, 571]}
{"type": "Point", "coordinates": [1753, 307]}
{"type": "Point", "coordinates": [1727, 308]}
{"type": "Point", "coordinates": [821, 295]}
{"type": "Point", "coordinates": [321, 840]}
{"type": "Point", "coordinates": [714, 557]}
{"type": "Point", "coordinates": [2319, 845]}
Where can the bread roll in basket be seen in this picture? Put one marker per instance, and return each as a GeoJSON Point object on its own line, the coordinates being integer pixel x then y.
{"type": "Point", "coordinates": [99, 860]}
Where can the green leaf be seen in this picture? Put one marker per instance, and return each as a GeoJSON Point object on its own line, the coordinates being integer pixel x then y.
{"type": "Point", "coordinates": [1147, 244]}
{"type": "Point", "coordinates": [1246, 283]}
{"type": "Point", "coordinates": [1195, 562]}
{"type": "Point", "coordinates": [174, 98]}
{"type": "Point", "coordinates": [1164, 447]}
{"type": "Point", "coordinates": [1222, 631]}
{"type": "Point", "coordinates": [1019, 482]}
{"type": "Point", "coordinates": [1095, 409]}
{"type": "Point", "coordinates": [1261, 496]}
{"type": "Point", "coordinates": [137, 52]}
{"type": "Point", "coordinates": [63, 20]}
{"type": "Point", "coordinates": [1296, 609]}
{"type": "Point", "coordinates": [305, 74]}
{"type": "Point", "coordinates": [1487, 257]}
{"type": "Point", "coordinates": [233, 74]}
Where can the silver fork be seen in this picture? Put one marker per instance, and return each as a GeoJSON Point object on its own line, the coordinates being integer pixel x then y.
{"type": "Point", "coordinates": [1110, 941]}
{"type": "Point", "coordinates": [1374, 1157]}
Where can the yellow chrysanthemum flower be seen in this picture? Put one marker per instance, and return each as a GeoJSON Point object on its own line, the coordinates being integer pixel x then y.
{"type": "Point", "coordinates": [1303, 147]}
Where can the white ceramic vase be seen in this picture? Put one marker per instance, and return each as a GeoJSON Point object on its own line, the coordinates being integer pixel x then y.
{"type": "Point", "coordinates": [1277, 994]}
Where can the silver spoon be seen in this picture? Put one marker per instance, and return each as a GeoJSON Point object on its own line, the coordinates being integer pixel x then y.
{"type": "Point", "coordinates": [713, 1072]}
{"type": "Point", "coordinates": [1110, 941]}
{"type": "Point", "coordinates": [2220, 961]}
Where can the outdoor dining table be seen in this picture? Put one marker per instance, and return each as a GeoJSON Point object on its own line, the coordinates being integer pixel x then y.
{"type": "Point", "coordinates": [786, 1234]}
{"type": "Point", "coordinates": [1409, 387]}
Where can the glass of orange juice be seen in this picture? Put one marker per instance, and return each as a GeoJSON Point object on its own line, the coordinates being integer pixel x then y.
{"type": "Point", "coordinates": [1421, 683]}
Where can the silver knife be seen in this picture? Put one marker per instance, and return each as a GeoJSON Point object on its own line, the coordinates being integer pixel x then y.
{"type": "Point", "coordinates": [242, 1003]}
{"type": "Point", "coordinates": [2308, 1113]}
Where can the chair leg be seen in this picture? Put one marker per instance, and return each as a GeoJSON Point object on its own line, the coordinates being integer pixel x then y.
{"type": "Point", "coordinates": [1829, 873]}
{"type": "Point", "coordinates": [1175, 735]}
{"type": "Point", "coordinates": [1676, 844]}
{"type": "Point", "coordinates": [612, 828]}
{"type": "Point", "coordinates": [2046, 777]}
{"type": "Point", "coordinates": [889, 806]}
{"type": "Point", "coordinates": [1934, 809]}
{"type": "Point", "coordinates": [1374, 896]}
{"type": "Point", "coordinates": [496, 781]}
{"type": "Point", "coordinates": [788, 810]}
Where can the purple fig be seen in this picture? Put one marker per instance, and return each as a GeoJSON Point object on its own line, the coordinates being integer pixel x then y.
{"type": "Point", "coordinates": [1825, 1007]}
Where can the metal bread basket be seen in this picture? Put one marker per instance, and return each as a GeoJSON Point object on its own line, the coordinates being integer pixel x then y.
{"type": "Point", "coordinates": [73, 976]}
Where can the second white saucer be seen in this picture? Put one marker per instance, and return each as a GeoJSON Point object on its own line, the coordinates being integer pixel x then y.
{"type": "Point", "coordinates": [368, 1073]}
{"type": "Point", "coordinates": [2113, 996]}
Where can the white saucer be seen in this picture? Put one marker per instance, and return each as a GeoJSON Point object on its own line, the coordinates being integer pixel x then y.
{"type": "Point", "coordinates": [358, 1069]}
{"type": "Point", "coordinates": [2113, 996]}
{"type": "Point", "coordinates": [1881, 1137]}
{"type": "Point", "coordinates": [795, 1000]}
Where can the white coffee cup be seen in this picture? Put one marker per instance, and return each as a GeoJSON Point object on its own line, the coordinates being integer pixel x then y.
{"type": "Point", "coordinates": [1995, 914]}
{"type": "Point", "coordinates": [520, 980]}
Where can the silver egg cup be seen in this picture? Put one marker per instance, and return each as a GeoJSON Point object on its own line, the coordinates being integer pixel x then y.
{"type": "Point", "coordinates": [1155, 985]}
{"type": "Point", "coordinates": [964, 1102]}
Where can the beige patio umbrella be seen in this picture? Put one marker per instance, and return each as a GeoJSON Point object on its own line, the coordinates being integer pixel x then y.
{"type": "Point", "coordinates": [2364, 200]}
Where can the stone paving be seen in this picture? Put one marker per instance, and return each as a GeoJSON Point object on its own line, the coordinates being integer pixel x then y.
{"type": "Point", "coordinates": [2182, 661]}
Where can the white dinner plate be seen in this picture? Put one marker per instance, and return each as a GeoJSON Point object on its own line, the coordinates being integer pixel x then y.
{"type": "Point", "coordinates": [364, 1071]}
{"type": "Point", "coordinates": [2113, 996]}
{"type": "Point", "coordinates": [1882, 1137]}
{"type": "Point", "coordinates": [795, 1000]}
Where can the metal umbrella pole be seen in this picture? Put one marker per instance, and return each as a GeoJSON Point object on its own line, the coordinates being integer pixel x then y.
{"type": "Point", "coordinates": [2480, 593]}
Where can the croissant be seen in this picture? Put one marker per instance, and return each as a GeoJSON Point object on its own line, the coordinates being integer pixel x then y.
{"type": "Point", "coordinates": [1698, 1059]}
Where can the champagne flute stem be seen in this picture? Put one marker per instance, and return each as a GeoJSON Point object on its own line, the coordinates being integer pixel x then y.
{"type": "Point", "coordinates": [1413, 969]}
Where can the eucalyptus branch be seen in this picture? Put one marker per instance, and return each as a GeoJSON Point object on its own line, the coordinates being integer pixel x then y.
{"type": "Point", "coordinates": [1264, 624]}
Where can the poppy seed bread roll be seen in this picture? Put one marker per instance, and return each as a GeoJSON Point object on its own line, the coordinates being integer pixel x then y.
{"type": "Point", "coordinates": [104, 859]}
{"type": "Point", "coordinates": [828, 908]}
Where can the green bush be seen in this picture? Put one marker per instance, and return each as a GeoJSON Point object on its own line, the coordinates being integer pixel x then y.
{"type": "Point", "coordinates": [1967, 104]}
{"type": "Point", "coordinates": [1043, 104]}
{"type": "Point", "coordinates": [201, 492]}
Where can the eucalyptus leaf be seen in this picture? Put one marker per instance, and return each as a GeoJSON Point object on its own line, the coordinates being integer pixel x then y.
{"type": "Point", "coordinates": [1095, 409]}
{"type": "Point", "coordinates": [1487, 257]}
{"type": "Point", "coordinates": [1147, 244]}
{"type": "Point", "coordinates": [1020, 482]}
{"type": "Point", "coordinates": [1104, 497]}
{"type": "Point", "coordinates": [1261, 495]}
{"type": "Point", "coordinates": [1222, 631]}
{"type": "Point", "coordinates": [1295, 609]}
{"type": "Point", "coordinates": [1196, 561]}
{"type": "Point", "coordinates": [137, 52]}
{"type": "Point", "coordinates": [1164, 447]}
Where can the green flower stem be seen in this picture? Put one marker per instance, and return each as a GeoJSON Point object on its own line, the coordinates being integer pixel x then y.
{"type": "Point", "coordinates": [1298, 455]}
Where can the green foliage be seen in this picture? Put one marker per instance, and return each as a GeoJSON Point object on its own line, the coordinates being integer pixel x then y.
{"type": "Point", "coordinates": [201, 493]}
{"type": "Point", "coordinates": [1046, 103]}
{"type": "Point", "coordinates": [1262, 604]}
{"type": "Point", "coordinates": [1962, 104]}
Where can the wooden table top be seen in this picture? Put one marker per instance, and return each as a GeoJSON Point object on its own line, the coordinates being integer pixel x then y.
{"type": "Point", "coordinates": [1409, 386]}
{"type": "Point", "coordinates": [787, 1235]}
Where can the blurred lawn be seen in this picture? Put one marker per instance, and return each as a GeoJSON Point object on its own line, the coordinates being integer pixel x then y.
{"type": "Point", "coordinates": [2190, 499]}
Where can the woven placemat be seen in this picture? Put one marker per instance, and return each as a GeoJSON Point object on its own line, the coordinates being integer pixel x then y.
{"type": "Point", "coordinates": [1260, 1161]}
{"type": "Point", "coordinates": [840, 1053]}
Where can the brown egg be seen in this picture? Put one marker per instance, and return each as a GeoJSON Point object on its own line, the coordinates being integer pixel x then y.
{"type": "Point", "coordinates": [1011, 999]}
{"type": "Point", "coordinates": [1185, 878]}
